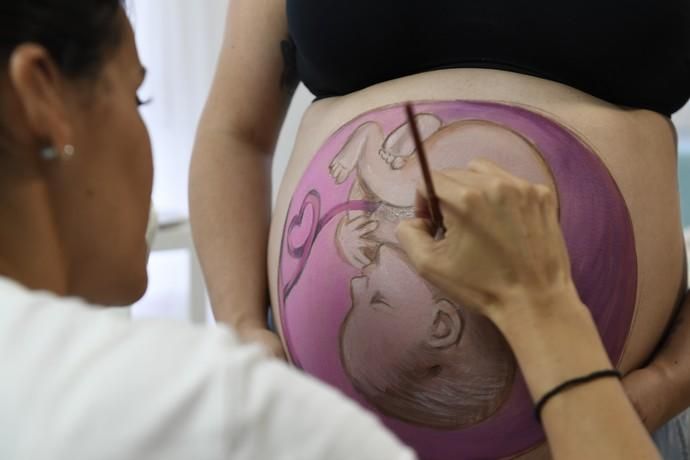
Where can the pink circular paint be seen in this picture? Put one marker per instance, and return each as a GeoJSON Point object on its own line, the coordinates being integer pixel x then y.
{"type": "Point", "coordinates": [355, 314]}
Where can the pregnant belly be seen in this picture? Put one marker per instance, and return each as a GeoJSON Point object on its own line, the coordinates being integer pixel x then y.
{"type": "Point", "coordinates": [354, 314]}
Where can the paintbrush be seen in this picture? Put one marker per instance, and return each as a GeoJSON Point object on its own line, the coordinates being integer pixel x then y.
{"type": "Point", "coordinates": [438, 230]}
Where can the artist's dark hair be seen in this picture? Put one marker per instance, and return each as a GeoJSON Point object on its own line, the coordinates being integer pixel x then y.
{"type": "Point", "coordinates": [78, 34]}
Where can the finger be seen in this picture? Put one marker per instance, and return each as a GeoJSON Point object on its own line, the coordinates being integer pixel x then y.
{"type": "Point", "coordinates": [547, 244]}
{"type": "Point", "coordinates": [543, 197]}
{"type": "Point", "coordinates": [446, 176]}
{"type": "Point", "coordinates": [340, 175]}
{"type": "Point", "coordinates": [415, 239]}
{"type": "Point", "coordinates": [552, 227]}
{"type": "Point", "coordinates": [549, 205]}
{"type": "Point", "coordinates": [367, 226]}
{"type": "Point", "coordinates": [369, 243]}
{"type": "Point", "coordinates": [459, 191]}
{"type": "Point", "coordinates": [450, 182]}
{"type": "Point", "coordinates": [547, 216]}
{"type": "Point", "coordinates": [532, 225]}
{"type": "Point", "coordinates": [506, 186]}
{"type": "Point", "coordinates": [361, 258]}
{"type": "Point", "coordinates": [490, 168]}
{"type": "Point", "coordinates": [484, 166]}
{"type": "Point", "coordinates": [489, 200]}
{"type": "Point", "coordinates": [421, 206]}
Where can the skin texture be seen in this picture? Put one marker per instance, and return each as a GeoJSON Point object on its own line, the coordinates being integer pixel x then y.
{"type": "Point", "coordinates": [522, 266]}
{"type": "Point", "coordinates": [78, 224]}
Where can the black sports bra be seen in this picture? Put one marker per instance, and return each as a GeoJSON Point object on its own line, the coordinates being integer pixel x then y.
{"type": "Point", "coordinates": [633, 53]}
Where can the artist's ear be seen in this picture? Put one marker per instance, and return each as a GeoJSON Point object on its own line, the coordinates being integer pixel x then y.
{"type": "Point", "coordinates": [39, 87]}
{"type": "Point", "coordinates": [447, 325]}
{"type": "Point", "coordinates": [400, 141]}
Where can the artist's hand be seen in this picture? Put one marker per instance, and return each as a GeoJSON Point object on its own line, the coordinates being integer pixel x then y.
{"type": "Point", "coordinates": [642, 387]}
{"type": "Point", "coordinates": [503, 250]}
{"type": "Point", "coordinates": [269, 340]}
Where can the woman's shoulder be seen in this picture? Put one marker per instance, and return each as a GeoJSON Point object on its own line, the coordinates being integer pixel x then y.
{"type": "Point", "coordinates": [72, 370]}
{"type": "Point", "coordinates": [68, 330]}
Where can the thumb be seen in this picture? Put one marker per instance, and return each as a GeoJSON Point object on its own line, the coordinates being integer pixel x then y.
{"type": "Point", "coordinates": [415, 239]}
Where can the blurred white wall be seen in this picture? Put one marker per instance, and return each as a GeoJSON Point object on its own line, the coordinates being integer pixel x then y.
{"type": "Point", "coordinates": [179, 42]}
{"type": "Point", "coordinates": [682, 121]}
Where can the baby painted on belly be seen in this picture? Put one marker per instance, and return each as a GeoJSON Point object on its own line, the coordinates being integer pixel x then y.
{"type": "Point", "coordinates": [425, 359]}
{"type": "Point", "coordinates": [354, 314]}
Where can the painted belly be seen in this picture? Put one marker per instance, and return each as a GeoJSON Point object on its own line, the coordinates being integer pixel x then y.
{"type": "Point", "coordinates": [355, 315]}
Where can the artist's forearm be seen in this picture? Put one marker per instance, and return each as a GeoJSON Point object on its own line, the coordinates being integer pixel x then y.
{"type": "Point", "coordinates": [543, 344]}
{"type": "Point", "coordinates": [230, 212]}
{"type": "Point", "coordinates": [594, 420]}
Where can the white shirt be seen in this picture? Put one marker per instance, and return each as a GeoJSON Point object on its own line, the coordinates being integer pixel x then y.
{"type": "Point", "coordinates": [79, 384]}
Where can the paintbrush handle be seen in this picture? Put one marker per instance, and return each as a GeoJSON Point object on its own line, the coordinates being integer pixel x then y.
{"type": "Point", "coordinates": [437, 228]}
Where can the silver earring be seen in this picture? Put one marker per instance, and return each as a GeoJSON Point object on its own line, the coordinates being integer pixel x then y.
{"type": "Point", "coordinates": [48, 153]}
{"type": "Point", "coordinates": [68, 151]}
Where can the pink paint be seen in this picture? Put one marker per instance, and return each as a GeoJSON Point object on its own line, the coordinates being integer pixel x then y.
{"type": "Point", "coordinates": [315, 281]}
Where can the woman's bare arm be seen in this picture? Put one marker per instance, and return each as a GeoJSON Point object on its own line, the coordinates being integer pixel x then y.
{"type": "Point", "coordinates": [230, 185]}
{"type": "Point", "coordinates": [661, 390]}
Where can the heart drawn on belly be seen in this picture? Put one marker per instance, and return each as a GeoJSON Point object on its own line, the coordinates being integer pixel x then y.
{"type": "Point", "coordinates": [302, 228]}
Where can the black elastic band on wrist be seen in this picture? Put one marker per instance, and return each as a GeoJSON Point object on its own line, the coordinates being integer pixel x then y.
{"type": "Point", "coordinates": [572, 383]}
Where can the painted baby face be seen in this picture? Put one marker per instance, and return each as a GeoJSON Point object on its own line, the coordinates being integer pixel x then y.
{"type": "Point", "coordinates": [381, 309]}
{"type": "Point", "coordinates": [405, 350]}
